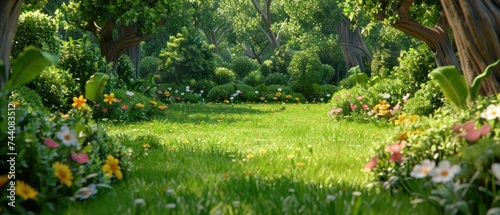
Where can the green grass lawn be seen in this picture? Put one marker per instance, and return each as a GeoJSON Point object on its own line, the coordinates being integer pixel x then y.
{"type": "Point", "coordinates": [246, 159]}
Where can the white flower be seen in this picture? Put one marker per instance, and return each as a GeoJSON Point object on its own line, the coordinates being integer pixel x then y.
{"type": "Point", "coordinates": [139, 202]}
{"type": "Point", "coordinates": [321, 99]}
{"type": "Point", "coordinates": [422, 170]}
{"type": "Point", "coordinates": [491, 112]}
{"type": "Point", "coordinates": [170, 205]}
{"type": "Point", "coordinates": [182, 94]}
{"type": "Point", "coordinates": [67, 136]}
{"type": "Point", "coordinates": [187, 87]}
{"type": "Point", "coordinates": [495, 169]}
{"type": "Point", "coordinates": [234, 95]}
{"type": "Point", "coordinates": [176, 91]}
{"type": "Point", "coordinates": [328, 95]}
{"type": "Point", "coordinates": [129, 93]}
{"type": "Point", "coordinates": [86, 192]}
{"type": "Point", "coordinates": [236, 204]}
{"type": "Point", "coordinates": [256, 92]}
{"type": "Point", "coordinates": [170, 88]}
{"type": "Point", "coordinates": [201, 92]}
{"type": "Point", "coordinates": [291, 190]}
{"type": "Point", "coordinates": [279, 89]}
{"type": "Point", "coordinates": [170, 191]}
{"type": "Point", "coordinates": [405, 97]}
{"type": "Point", "coordinates": [330, 198]}
{"type": "Point", "coordinates": [444, 172]}
{"type": "Point", "coordinates": [238, 91]}
{"type": "Point", "coordinates": [231, 98]}
{"type": "Point", "coordinates": [356, 193]}
{"type": "Point", "coordinates": [385, 95]}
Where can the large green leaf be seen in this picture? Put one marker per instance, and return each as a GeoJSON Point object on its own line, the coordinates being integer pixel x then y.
{"type": "Point", "coordinates": [477, 81]}
{"type": "Point", "coordinates": [359, 78]}
{"type": "Point", "coordinates": [95, 85]}
{"type": "Point", "coordinates": [452, 84]}
{"type": "Point", "coordinates": [29, 65]}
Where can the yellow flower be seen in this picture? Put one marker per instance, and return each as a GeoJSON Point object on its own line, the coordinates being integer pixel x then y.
{"type": "Point", "coordinates": [291, 156]}
{"type": "Point", "coordinates": [262, 151]}
{"type": "Point", "coordinates": [109, 98]}
{"type": "Point", "coordinates": [278, 94]}
{"type": "Point", "coordinates": [249, 156]}
{"type": "Point", "coordinates": [64, 116]}
{"type": "Point", "coordinates": [288, 96]}
{"type": "Point", "coordinates": [152, 103]}
{"type": "Point", "coordinates": [139, 105]}
{"type": "Point", "coordinates": [63, 173]}
{"type": "Point", "coordinates": [401, 119]}
{"type": "Point", "coordinates": [226, 101]}
{"type": "Point", "coordinates": [25, 190]}
{"type": "Point", "coordinates": [145, 145]}
{"type": "Point", "coordinates": [166, 93]}
{"type": "Point", "coordinates": [300, 164]}
{"type": "Point", "coordinates": [3, 180]}
{"type": "Point", "coordinates": [79, 102]}
{"type": "Point", "coordinates": [275, 98]}
{"type": "Point", "coordinates": [163, 107]}
{"type": "Point", "coordinates": [297, 98]}
{"type": "Point", "coordinates": [111, 167]}
{"type": "Point", "coordinates": [413, 118]}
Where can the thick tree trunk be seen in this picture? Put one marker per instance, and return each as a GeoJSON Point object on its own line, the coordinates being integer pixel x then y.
{"type": "Point", "coordinates": [436, 38]}
{"type": "Point", "coordinates": [476, 28]}
{"type": "Point", "coordinates": [112, 49]}
{"type": "Point", "coordinates": [9, 15]}
{"type": "Point", "coordinates": [135, 55]}
{"type": "Point", "coordinates": [352, 45]}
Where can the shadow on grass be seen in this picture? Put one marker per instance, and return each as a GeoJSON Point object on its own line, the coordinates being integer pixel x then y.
{"type": "Point", "coordinates": [207, 181]}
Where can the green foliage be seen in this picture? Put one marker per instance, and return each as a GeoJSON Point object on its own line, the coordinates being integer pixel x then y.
{"type": "Point", "coordinates": [83, 59]}
{"type": "Point", "coordinates": [224, 76]}
{"type": "Point", "coordinates": [125, 68]}
{"type": "Point", "coordinates": [266, 68]}
{"type": "Point", "coordinates": [205, 85]}
{"type": "Point", "coordinates": [220, 62]}
{"type": "Point", "coordinates": [33, 5]}
{"type": "Point", "coordinates": [41, 142]}
{"type": "Point", "coordinates": [382, 63]}
{"type": "Point", "coordinates": [221, 92]}
{"type": "Point", "coordinates": [28, 65]}
{"type": "Point", "coordinates": [355, 76]}
{"type": "Point", "coordinates": [474, 88]}
{"type": "Point", "coordinates": [276, 78]}
{"type": "Point", "coordinates": [28, 98]}
{"type": "Point", "coordinates": [253, 78]}
{"type": "Point", "coordinates": [148, 65]}
{"type": "Point", "coordinates": [452, 84]}
{"type": "Point", "coordinates": [242, 66]}
{"type": "Point", "coordinates": [246, 93]}
{"type": "Point", "coordinates": [414, 67]}
{"type": "Point", "coordinates": [56, 87]}
{"type": "Point", "coordinates": [36, 29]}
{"type": "Point", "coordinates": [305, 70]}
{"type": "Point", "coordinates": [426, 100]}
{"type": "Point", "coordinates": [281, 60]}
{"type": "Point", "coordinates": [187, 56]}
{"type": "Point", "coordinates": [95, 86]}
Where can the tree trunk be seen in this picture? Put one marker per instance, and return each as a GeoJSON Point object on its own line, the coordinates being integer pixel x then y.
{"type": "Point", "coordinates": [112, 49]}
{"type": "Point", "coordinates": [436, 38]}
{"type": "Point", "coordinates": [135, 55]}
{"type": "Point", "coordinates": [9, 16]}
{"type": "Point", "coordinates": [352, 45]}
{"type": "Point", "coordinates": [476, 28]}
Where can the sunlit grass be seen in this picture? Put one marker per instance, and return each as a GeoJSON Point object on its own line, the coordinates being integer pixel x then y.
{"type": "Point", "coordinates": [246, 159]}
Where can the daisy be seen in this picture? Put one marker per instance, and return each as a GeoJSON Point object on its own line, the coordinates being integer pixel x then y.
{"type": "Point", "coordinates": [422, 170]}
{"type": "Point", "coordinates": [444, 172]}
{"type": "Point", "coordinates": [67, 136]}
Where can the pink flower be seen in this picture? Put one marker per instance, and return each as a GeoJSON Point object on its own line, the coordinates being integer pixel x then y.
{"type": "Point", "coordinates": [104, 110]}
{"type": "Point", "coordinates": [50, 143]}
{"type": "Point", "coordinates": [118, 100]}
{"type": "Point", "coordinates": [353, 107]}
{"type": "Point", "coordinates": [97, 105]}
{"type": "Point", "coordinates": [360, 98]}
{"type": "Point", "coordinates": [371, 164]}
{"type": "Point", "coordinates": [178, 98]}
{"type": "Point", "coordinates": [124, 107]}
{"type": "Point", "coordinates": [262, 98]}
{"type": "Point", "coordinates": [395, 147]}
{"type": "Point", "coordinates": [396, 157]}
{"type": "Point", "coordinates": [365, 107]}
{"type": "Point", "coordinates": [80, 158]}
{"type": "Point", "coordinates": [475, 134]}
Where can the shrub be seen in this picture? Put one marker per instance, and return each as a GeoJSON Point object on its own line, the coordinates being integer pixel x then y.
{"type": "Point", "coordinates": [224, 76]}
{"type": "Point", "coordinates": [42, 147]}
{"type": "Point", "coordinates": [36, 29]}
{"type": "Point", "coordinates": [253, 78]}
{"type": "Point", "coordinates": [328, 74]}
{"type": "Point", "coordinates": [83, 59]}
{"type": "Point", "coordinates": [425, 100]}
{"type": "Point", "coordinates": [246, 93]}
{"type": "Point", "coordinates": [203, 86]}
{"type": "Point", "coordinates": [56, 87]}
{"type": "Point", "coordinates": [305, 70]}
{"type": "Point", "coordinates": [125, 68]}
{"type": "Point", "coordinates": [221, 92]}
{"type": "Point", "coordinates": [326, 91]}
{"type": "Point", "coordinates": [220, 62]}
{"type": "Point", "coordinates": [242, 65]}
{"type": "Point", "coordinates": [276, 78]}
{"type": "Point", "coordinates": [266, 68]}
{"type": "Point", "coordinates": [28, 98]}
{"type": "Point", "coordinates": [148, 65]}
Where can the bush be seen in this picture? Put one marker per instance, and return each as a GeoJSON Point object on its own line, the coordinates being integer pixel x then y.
{"type": "Point", "coordinates": [203, 86]}
{"type": "Point", "coordinates": [125, 68]}
{"type": "Point", "coordinates": [221, 93]}
{"type": "Point", "coordinates": [56, 87]}
{"type": "Point", "coordinates": [36, 29]}
{"type": "Point", "coordinates": [83, 59]}
{"type": "Point", "coordinates": [224, 76]}
{"type": "Point", "coordinates": [242, 66]}
{"type": "Point", "coordinates": [266, 68]}
{"type": "Point", "coordinates": [305, 70]}
{"type": "Point", "coordinates": [42, 147]}
{"type": "Point", "coordinates": [28, 98]}
{"type": "Point", "coordinates": [148, 65]}
{"type": "Point", "coordinates": [246, 93]}
{"type": "Point", "coordinates": [253, 78]}
{"type": "Point", "coordinates": [425, 100]}
{"type": "Point", "coordinates": [328, 75]}
{"type": "Point", "coordinates": [326, 91]}
{"type": "Point", "coordinates": [276, 78]}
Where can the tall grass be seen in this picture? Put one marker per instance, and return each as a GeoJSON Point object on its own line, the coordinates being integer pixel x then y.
{"type": "Point", "coordinates": [246, 159]}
